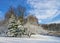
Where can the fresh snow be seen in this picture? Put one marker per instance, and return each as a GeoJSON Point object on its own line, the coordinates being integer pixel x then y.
{"type": "Point", "coordinates": [33, 39]}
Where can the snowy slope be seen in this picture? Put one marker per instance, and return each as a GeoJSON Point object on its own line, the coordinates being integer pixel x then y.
{"type": "Point", "coordinates": [40, 39]}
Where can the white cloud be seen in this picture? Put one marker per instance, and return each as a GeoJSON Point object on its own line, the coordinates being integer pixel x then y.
{"type": "Point", "coordinates": [44, 9]}
{"type": "Point", "coordinates": [43, 4]}
{"type": "Point", "coordinates": [40, 21]}
{"type": "Point", "coordinates": [44, 14]}
{"type": "Point", "coordinates": [58, 21]}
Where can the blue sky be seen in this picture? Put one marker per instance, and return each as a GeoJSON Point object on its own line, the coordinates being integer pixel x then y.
{"type": "Point", "coordinates": [47, 11]}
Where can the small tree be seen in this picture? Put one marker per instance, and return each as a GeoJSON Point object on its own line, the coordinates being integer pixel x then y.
{"type": "Point", "coordinates": [21, 30]}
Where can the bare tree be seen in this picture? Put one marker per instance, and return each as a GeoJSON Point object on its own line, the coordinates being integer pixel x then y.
{"type": "Point", "coordinates": [21, 11]}
{"type": "Point", "coordinates": [10, 12]}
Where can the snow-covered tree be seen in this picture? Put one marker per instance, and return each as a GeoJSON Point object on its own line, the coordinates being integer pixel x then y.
{"type": "Point", "coordinates": [15, 25]}
{"type": "Point", "coordinates": [15, 28]}
{"type": "Point", "coordinates": [12, 26]}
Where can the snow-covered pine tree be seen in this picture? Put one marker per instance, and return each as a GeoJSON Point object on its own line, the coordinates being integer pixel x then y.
{"type": "Point", "coordinates": [15, 28]}
{"type": "Point", "coordinates": [21, 29]}
{"type": "Point", "coordinates": [12, 27]}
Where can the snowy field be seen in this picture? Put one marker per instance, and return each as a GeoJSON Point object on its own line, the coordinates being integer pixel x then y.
{"type": "Point", "coordinates": [33, 39]}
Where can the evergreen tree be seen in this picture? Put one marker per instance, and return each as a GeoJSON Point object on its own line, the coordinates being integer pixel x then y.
{"type": "Point", "coordinates": [15, 28]}
{"type": "Point", "coordinates": [21, 30]}
{"type": "Point", "coordinates": [12, 27]}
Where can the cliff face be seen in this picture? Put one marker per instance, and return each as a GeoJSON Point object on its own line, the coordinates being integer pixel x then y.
{"type": "Point", "coordinates": [32, 19]}
{"type": "Point", "coordinates": [33, 26]}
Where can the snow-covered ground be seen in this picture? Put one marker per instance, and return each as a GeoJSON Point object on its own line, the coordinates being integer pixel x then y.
{"type": "Point", "coordinates": [33, 39]}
